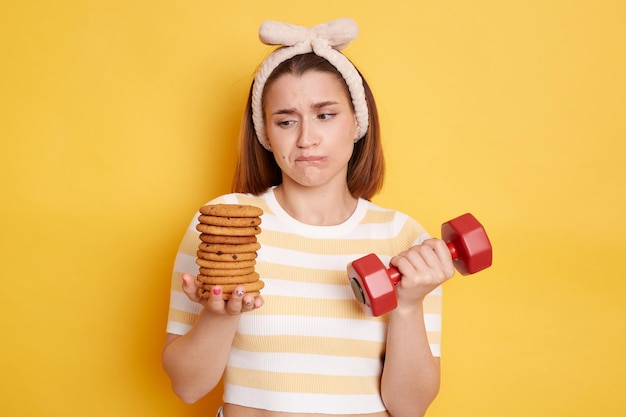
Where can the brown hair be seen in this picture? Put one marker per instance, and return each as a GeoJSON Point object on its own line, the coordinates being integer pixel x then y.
{"type": "Point", "coordinates": [256, 169]}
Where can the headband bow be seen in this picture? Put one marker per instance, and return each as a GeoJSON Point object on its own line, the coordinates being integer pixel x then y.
{"type": "Point", "coordinates": [337, 33]}
{"type": "Point", "coordinates": [325, 40]}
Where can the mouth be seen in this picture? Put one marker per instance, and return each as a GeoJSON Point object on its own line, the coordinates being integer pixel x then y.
{"type": "Point", "coordinates": [311, 158]}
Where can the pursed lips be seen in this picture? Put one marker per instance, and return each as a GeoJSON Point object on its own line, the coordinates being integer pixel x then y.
{"type": "Point", "coordinates": [311, 158]}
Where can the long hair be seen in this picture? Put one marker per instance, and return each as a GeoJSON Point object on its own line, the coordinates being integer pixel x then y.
{"type": "Point", "coordinates": [256, 170]}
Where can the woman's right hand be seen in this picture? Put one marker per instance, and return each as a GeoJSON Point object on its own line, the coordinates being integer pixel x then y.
{"type": "Point", "coordinates": [239, 301]}
{"type": "Point", "coordinates": [195, 361]}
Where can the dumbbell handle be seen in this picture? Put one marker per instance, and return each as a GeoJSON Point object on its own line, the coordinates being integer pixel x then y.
{"type": "Point", "coordinates": [395, 276]}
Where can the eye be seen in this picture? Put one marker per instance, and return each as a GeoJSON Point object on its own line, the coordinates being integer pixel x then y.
{"type": "Point", "coordinates": [285, 123]}
{"type": "Point", "coordinates": [326, 116]}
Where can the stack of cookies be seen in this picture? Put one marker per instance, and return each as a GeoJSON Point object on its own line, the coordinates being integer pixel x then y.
{"type": "Point", "coordinates": [228, 249]}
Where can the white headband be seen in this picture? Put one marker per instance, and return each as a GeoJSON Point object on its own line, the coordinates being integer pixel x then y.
{"type": "Point", "coordinates": [325, 40]}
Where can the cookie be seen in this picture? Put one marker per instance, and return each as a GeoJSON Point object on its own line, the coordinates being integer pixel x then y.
{"type": "Point", "coordinates": [211, 272]}
{"type": "Point", "coordinates": [230, 221]}
{"type": "Point", "coordinates": [226, 257]}
{"type": "Point", "coordinates": [202, 293]}
{"type": "Point", "coordinates": [229, 288]}
{"type": "Point", "coordinates": [253, 289]}
{"type": "Point", "coordinates": [207, 264]}
{"type": "Point", "coordinates": [231, 210]}
{"type": "Point", "coordinates": [206, 281]}
{"type": "Point", "coordinates": [228, 248]}
{"type": "Point", "coordinates": [227, 240]}
{"type": "Point", "coordinates": [226, 296]}
{"type": "Point", "coordinates": [220, 248]}
{"type": "Point", "coordinates": [228, 231]}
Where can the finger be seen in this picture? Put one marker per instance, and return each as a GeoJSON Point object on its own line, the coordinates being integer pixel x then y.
{"type": "Point", "coordinates": [409, 266]}
{"type": "Point", "coordinates": [442, 251]}
{"type": "Point", "coordinates": [258, 302]}
{"type": "Point", "coordinates": [437, 245]}
{"type": "Point", "coordinates": [421, 264]}
{"type": "Point", "coordinates": [235, 303]}
{"type": "Point", "coordinates": [438, 261]}
{"type": "Point", "coordinates": [215, 301]}
{"type": "Point", "coordinates": [190, 288]}
{"type": "Point", "coordinates": [426, 253]}
{"type": "Point", "coordinates": [407, 263]}
{"type": "Point", "coordinates": [247, 302]}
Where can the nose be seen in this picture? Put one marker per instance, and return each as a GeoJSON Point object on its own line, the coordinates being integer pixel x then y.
{"type": "Point", "coordinates": [307, 136]}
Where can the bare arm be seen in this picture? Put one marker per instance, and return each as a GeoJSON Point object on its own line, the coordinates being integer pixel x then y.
{"type": "Point", "coordinates": [410, 379]}
{"type": "Point", "coordinates": [196, 361]}
{"type": "Point", "coordinates": [411, 375]}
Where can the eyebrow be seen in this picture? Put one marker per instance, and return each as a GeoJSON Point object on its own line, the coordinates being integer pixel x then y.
{"type": "Point", "coordinates": [319, 105]}
{"type": "Point", "coordinates": [324, 104]}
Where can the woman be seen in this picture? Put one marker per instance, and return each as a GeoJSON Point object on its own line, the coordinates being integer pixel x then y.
{"type": "Point", "coordinates": [311, 158]}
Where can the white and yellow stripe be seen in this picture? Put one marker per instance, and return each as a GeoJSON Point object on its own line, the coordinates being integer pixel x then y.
{"type": "Point", "coordinates": [310, 348]}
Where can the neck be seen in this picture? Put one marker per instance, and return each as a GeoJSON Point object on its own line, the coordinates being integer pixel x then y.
{"type": "Point", "coordinates": [316, 206]}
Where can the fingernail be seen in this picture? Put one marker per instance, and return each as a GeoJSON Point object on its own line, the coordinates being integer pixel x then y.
{"type": "Point", "coordinates": [240, 293]}
{"type": "Point", "coordinates": [249, 303]}
{"type": "Point", "coordinates": [217, 291]}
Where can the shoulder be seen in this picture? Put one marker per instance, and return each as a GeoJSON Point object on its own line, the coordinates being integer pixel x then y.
{"type": "Point", "coordinates": [259, 201]}
{"type": "Point", "coordinates": [375, 212]}
{"type": "Point", "coordinates": [401, 223]}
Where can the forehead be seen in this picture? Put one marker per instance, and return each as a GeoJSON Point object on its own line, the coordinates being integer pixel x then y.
{"type": "Point", "coordinates": [311, 84]}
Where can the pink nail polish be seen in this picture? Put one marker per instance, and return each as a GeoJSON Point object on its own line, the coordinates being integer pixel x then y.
{"type": "Point", "coordinates": [217, 291]}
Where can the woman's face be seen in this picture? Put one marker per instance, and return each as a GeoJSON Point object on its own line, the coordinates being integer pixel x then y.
{"type": "Point", "coordinates": [311, 128]}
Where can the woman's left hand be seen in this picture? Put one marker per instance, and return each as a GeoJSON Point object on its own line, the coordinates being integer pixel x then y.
{"type": "Point", "coordinates": [423, 268]}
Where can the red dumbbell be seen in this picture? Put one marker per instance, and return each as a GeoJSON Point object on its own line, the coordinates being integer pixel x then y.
{"type": "Point", "coordinates": [374, 284]}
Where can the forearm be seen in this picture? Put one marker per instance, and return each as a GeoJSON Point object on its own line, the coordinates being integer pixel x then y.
{"type": "Point", "coordinates": [196, 361]}
{"type": "Point", "coordinates": [411, 375]}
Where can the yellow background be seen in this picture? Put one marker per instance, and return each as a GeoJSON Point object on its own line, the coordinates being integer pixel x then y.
{"type": "Point", "coordinates": [118, 120]}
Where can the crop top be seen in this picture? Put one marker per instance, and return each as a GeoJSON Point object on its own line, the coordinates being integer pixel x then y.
{"type": "Point", "coordinates": [310, 348]}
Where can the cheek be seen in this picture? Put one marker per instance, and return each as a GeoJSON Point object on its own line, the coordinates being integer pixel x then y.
{"type": "Point", "coordinates": [279, 156]}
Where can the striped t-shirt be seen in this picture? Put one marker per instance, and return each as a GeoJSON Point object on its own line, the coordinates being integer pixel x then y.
{"type": "Point", "coordinates": [310, 348]}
